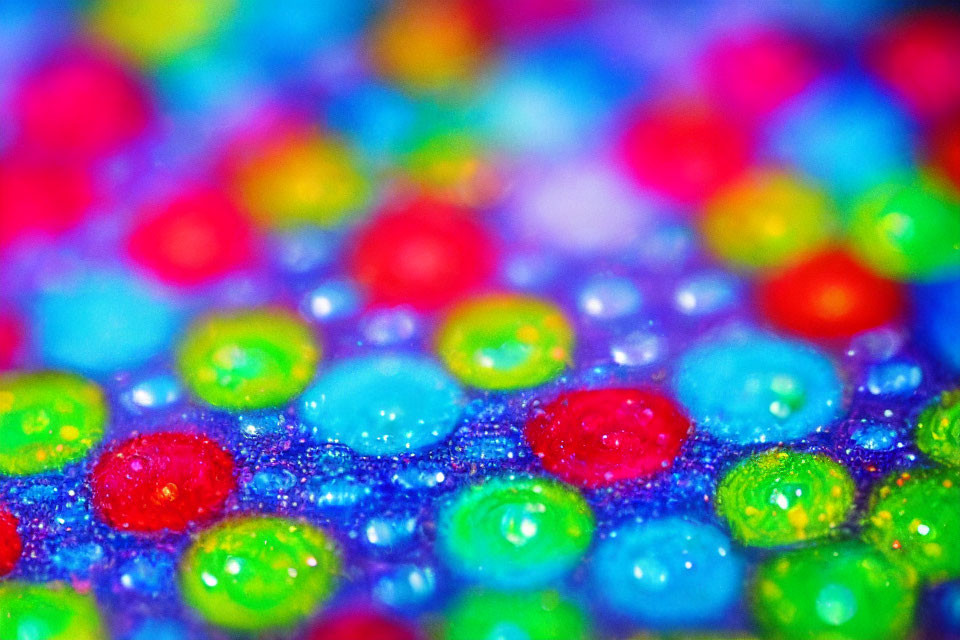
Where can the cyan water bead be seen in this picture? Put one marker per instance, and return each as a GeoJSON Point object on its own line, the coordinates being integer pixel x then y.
{"type": "Point", "coordinates": [47, 420]}
{"type": "Point", "coordinates": [751, 388]}
{"type": "Point", "coordinates": [259, 572]}
{"type": "Point", "coordinates": [383, 405]}
{"type": "Point", "coordinates": [648, 571]}
{"type": "Point", "coordinates": [103, 321]}
{"type": "Point", "coordinates": [514, 532]}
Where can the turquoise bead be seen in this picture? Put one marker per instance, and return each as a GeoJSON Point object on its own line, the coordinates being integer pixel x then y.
{"type": "Point", "coordinates": [384, 404]}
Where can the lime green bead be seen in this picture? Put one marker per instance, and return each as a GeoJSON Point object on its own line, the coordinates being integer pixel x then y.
{"type": "Point", "coordinates": [505, 342]}
{"type": "Point", "coordinates": [909, 231]}
{"type": "Point", "coordinates": [915, 518]}
{"type": "Point", "coordinates": [780, 497]}
{"type": "Point", "coordinates": [515, 532]}
{"type": "Point", "coordinates": [47, 612]}
{"type": "Point", "coordinates": [259, 572]}
{"type": "Point", "coordinates": [938, 429]}
{"type": "Point", "coordinates": [838, 591]}
{"type": "Point", "coordinates": [492, 615]}
{"type": "Point", "coordinates": [248, 359]}
{"type": "Point", "coordinates": [47, 420]}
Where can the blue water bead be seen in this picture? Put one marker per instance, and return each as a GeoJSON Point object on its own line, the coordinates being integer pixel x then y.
{"type": "Point", "coordinates": [668, 572]}
{"type": "Point", "coordinates": [156, 392]}
{"type": "Point", "coordinates": [748, 387]}
{"type": "Point", "coordinates": [342, 493]}
{"type": "Point", "coordinates": [389, 326]}
{"type": "Point", "coordinates": [845, 134]}
{"type": "Point", "coordinates": [896, 378]}
{"type": "Point", "coordinates": [149, 572]}
{"type": "Point", "coordinates": [156, 629]}
{"type": "Point", "coordinates": [379, 118]}
{"type": "Point", "coordinates": [875, 436]}
{"type": "Point", "coordinates": [102, 322]}
{"type": "Point", "coordinates": [390, 532]}
{"type": "Point", "coordinates": [938, 307]}
{"type": "Point", "coordinates": [384, 404]}
{"type": "Point", "coordinates": [332, 300]}
{"type": "Point", "coordinates": [706, 293]}
{"type": "Point", "coordinates": [407, 585]}
{"type": "Point", "coordinates": [607, 297]}
{"type": "Point", "coordinates": [272, 482]}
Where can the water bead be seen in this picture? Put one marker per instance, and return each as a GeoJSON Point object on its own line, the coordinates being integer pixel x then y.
{"type": "Point", "coordinates": [780, 497]}
{"type": "Point", "coordinates": [361, 625]}
{"type": "Point", "coordinates": [100, 321]}
{"type": "Point", "coordinates": [80, 104]}
{"type": "Point", "coordinates": [894, 378]}
{"type": "Point", "coordinates": [766, 218]}
{"type": "Point", "coordinates": [706, 293]}
{"type": "Point", "coordinates": [406, 586]}
{"type": "Point", "coordinates": [914, 518]}
{"type": "Point", "coordinates": [647, 572]}
{"type": "Point", "coordinates": [332, 300]}
{"type": "Point", "coordinates": [425, 253]}
{"type": "Point", "coordinates": [383, 404]}
{"type": "Point", "coordinates": [164, 480]}
{"type": "Point", "coordinates": [844, 590]}
{"type": "Point", "coordinates": [505, 341]}
{"type": "Point", "coordinates": [843, 133]}
{"type": "Point", "coordinates": [909, 230]}
{"type": "Point", "coordinates": [937, 308]}
{"type": "Point", "coordinates": [249, 359]}
{"type": "Point", "coordinates": [749, 387]}
{"type": "Point", "coordinates": [829, 295]}
{"type": "Point", "coordinates": [637, 348]}
{"type": "Point", "coordinates": [159, 30]}
{"type": "Point", "coordinates": [875, 436]}
{"type": "Point", "coordinates": [599, 436]}
{"type": "Point", "coordinates": [405, 50]}
{"type": "Point", "coordinates": [390, 326]}
{"type": "Point", "coordinates": [48, 612]}
{"type": "Point", "coordinates": [609, 297]}
{"type": "Point", "coordinates": [514, 532]}
{"type": "Point", "coordinates": [938, 429]}
{"type": "Point", "coordinates": [685, 150]}
{"type": "Point", "coordinates": [11, 546]}
{"type": "Point", "coordinates": [192, 237]}
{"type": "Point", "coordinates": [299, 178]}
{"type": "Point", "coordinates": [47, 419]}
{"type": "Point", "coordinates": [155, 392]}
{"type": "Point", "coordinates": [258, 572]}
{"type": "Point", "coordinates": [535, 615]}
{"type": "Point", "coordinates": [918, 55]}
{"type": "Point", "coordinates": [944, 144]}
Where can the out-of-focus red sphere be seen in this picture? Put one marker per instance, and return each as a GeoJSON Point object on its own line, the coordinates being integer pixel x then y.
{"type": "Point", "coordinates": [685, 150]}
{"type": "Point", "coordinates": [43, 197]}
{"type": "Point", "coordinates": [945, 149]}
{"type": "Point", "coordinates": [918, 55]}
{"type": "Point", "coordinates": [753, 73]}
{"type": "Point", "coordinates": [193, 237]}
{"type": "Point", "coordinates": [362, 625]}
{"type": "Point", "coordinates": [829, 295]}
{"type": "Point", "coordinates": [80, 105]}
{"type": "Point", "coordinates": [426, 253]}
{"type": "Point", "coordinates": [11, 339]}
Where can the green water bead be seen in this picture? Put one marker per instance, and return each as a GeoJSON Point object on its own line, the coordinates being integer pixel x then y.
{"type": "Point", "coordinates": [493, 615]}
{"type": "Point", "coordinates": [47, 420]}
{"type": "Point", "coordinates": [915, 518]}
{"type": "Point", "coordinates": [938, 429]}
{"type": "Point", "coordinates": [780, 497]}
{"type": "Point", "coordinates": [515, 531]}
{"type": "Point", "coordinates": [47, 612]}
{"type": "Point", "coordinates": [837, 591]}
{"type": "Point", "coordinates": [259, 572]}
{"type": "Point", "coordinates": [909, 231]}
{"type": "Point", "coordinates": [505, 341]}
{"type": "Point", "coordinates": [249, 359]}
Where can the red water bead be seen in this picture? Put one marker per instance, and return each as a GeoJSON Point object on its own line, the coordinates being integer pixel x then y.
{"type": "Point", "coordinates": [10, 544]}
{"type": "Point", "coordinates": [945, 149]}
{"type": "Point", "coordinates": [596, 437]}
{"type": "Point", "coordinates": [193, 237]}
{"type": "Point", "coordinates": [41, 197]}
{"type": "Point", "coordinates": [918, 55]}
{"type": "Point", "coordinates": [162, 481]}
{"type": "Point", "coordinates": [361, 625]}
{"type": "Point", "coordinates": [80, 104]}
{"type": "Point", "coordinates": [685, 150]}
{"type": "Point", "coordinates": [754, 73]}
{"type": "Point", "coordinates": [425, 254]}
{"type": "Point", "coordinates": [11, 339]}
{"type": "Point", "coordinates": [829, 295]}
